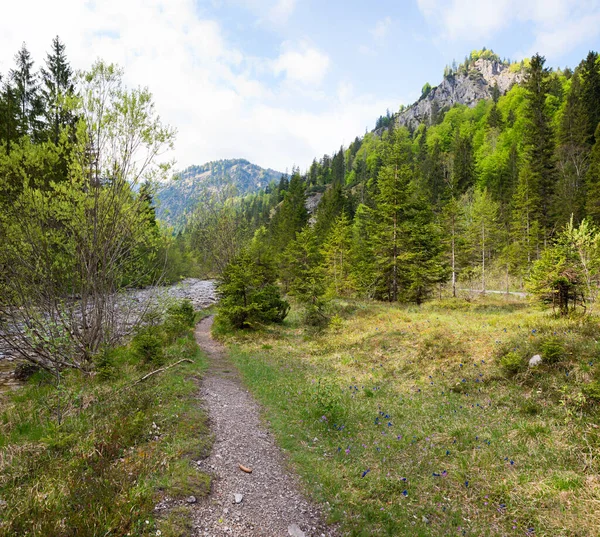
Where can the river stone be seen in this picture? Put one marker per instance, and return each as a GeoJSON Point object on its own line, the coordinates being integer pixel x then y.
{"type": "Point", "coordinates": [295, 531]}
{"type": "Point", "coordinates": [237, 498]}
{"type": "Point", "coordinates": [535, 360]}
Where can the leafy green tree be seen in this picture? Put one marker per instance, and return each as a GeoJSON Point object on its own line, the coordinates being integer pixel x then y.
{"type": "Point", "coordinates": [89, 237]}
{"type": "Point", "coordinates": [568, 272]}
{"type": "Point", "coordinates": [482, 230]}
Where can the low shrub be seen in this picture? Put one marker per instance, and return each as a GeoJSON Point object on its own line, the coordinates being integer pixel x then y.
{"type": "Point", "coordinates": [511, 363]}
{"type": "Point", "coordinates": [148, 344]}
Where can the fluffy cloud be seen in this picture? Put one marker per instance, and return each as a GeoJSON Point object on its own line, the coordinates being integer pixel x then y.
{"type": "Point", "coordinates": [223, 103]}
{"type": "Point", "coordinates": [303, 64]}
{"type": "Point", "coordinates": [555, 22]}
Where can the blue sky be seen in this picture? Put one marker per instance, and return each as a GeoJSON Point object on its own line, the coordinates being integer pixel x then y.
{"type": "Point", "coordinates": [282, 81]}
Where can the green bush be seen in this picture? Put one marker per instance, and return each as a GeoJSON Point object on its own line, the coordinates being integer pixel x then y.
{"type": "Point", "coordinates": [148, 345]}
{"type": "Point", "coordinates": [592, 391]}
{"type": "Point", "coordinates": [552, 350]}
{"type": "Point", "coordinates": [248, 293]}
{"type": "Point", "coordinates": [179, 318]}
{"type": "Point", "coordinates": [511, 363]}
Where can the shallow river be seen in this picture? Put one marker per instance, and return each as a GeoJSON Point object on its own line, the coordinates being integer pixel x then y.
{"type": "Point", "coordinates": [201, 293]}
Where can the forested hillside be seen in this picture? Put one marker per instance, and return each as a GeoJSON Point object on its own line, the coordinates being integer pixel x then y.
{"type": "Point", "coordinates": [476, 194]}
{"type": "Point", "coordinates": [178, 197]}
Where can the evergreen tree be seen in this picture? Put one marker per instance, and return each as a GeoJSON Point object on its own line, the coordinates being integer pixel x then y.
{"type": "Point", "coordinates": [26, 91]}
{"type": "Point", "coordinates": [304, 274]}
{"type": "Point", "coordinates": [540, 139]}
{"type": "Point", "coordinates": [590, 86]}
{"type": "Point", "coordinates": [336, 254]}
{"type": "Point", "coordinates": [571, 157]}
{"type": "Point", "coordinates": [593, 181]}
{"type": "Point", "coordinates": [292, 215]}
{"type": "Point", "coordinates": [363, 270]}
{"type": "Point", "coordinates": [57, 87]}
{"type": "Point", "coordinates": [463, 169]}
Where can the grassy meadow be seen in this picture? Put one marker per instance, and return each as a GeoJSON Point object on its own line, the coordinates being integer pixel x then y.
{"type": "Point", "coordinates": [93, 456]}
{"type": "Point", "coordinates": [427, 420]}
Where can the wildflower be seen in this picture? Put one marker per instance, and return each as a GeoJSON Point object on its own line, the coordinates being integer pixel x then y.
{"type": "Point", "coordinates": [366, 472]}
{"type": "Point", "coordinates": [467, 484]}
{"type": "Point", "coordinates": [405, 493]}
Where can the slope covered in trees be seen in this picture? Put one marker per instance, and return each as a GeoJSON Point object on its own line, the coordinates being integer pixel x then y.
{"type": "Point", "coordinates": [178, 197]}
{"type": "Point", "coordinates": [472, 199]}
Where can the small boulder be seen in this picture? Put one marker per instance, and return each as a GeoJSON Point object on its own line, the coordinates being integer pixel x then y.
{"type": "Point", "coordinates": [191, 499]}
{"type": "Point", "coordinates": [237, 498]}
{"type": "Point", "coordinates": [295, 531]}
{"type": "Point", "coordinates": [535, 361]}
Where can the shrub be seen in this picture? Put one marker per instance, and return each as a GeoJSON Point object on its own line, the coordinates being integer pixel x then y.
{"type": "Point", "coordinates": [179, 318]}
{"type": "Point", "coordinates": [248, 293]}
{"type": "Point", "coordinates": [511, 363]}
{"type": "Point", "coordinates": [147, 345]}
{"type": "Point", "coordinates": [552, 350]}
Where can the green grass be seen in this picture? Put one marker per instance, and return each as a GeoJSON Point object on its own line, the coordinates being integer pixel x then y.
{"type": "Point", "coordinates": [93, 457]}
{"type": "Point", "coordinates": [405, 421]}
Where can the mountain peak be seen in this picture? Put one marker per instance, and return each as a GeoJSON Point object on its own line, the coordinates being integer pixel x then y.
{"type": "Point", "coordinates": [467, 84]}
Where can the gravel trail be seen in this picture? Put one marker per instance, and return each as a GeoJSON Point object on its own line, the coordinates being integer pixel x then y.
{"type": "Point", "coordinates": [271, 502]}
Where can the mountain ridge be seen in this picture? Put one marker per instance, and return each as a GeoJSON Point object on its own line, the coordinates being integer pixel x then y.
{"type": "Point", "coordinates": [178, 198]}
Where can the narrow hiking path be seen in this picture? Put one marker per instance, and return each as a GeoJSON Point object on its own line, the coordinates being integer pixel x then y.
{"type": "Point", "coordinates": [266, 502]}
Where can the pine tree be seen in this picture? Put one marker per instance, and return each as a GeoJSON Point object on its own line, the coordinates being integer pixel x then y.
{"type": "Point", "coordinates": [524, 225]}
{"type": "Point", "coordinates": [57, 87]}
{"type": "Point", "coordinates": [571, 158]}
{"type": "Point", "coordinates": [540, 139]}
{"type": "Point", "coordinates": [363, 270]}
{"type": "Point", "coordinates": [291, 216]}
{"type": "Point", "coordinates": [336, 254]}
{"type": "Point", "coordinates": [304, 274]}
{"type": "Point", "coordinates": [463, 167]}
{"type": "Point", "coordinates": [26, 91]}
{"type": "Point", "coordinates": [593, 181]}
{"type": "Point", "coordinates": [590, 86]}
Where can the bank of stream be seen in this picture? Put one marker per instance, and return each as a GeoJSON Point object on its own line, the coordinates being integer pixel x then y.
{"type": "Point", "coordinates": [201, 293]}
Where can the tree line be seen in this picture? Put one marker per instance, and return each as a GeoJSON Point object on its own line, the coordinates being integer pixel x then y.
{"type": "Point", "coordinates": [481, 196]}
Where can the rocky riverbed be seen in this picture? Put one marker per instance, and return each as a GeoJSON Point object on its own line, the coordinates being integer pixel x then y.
{"type": "Point", "coordinates": [201, 293]}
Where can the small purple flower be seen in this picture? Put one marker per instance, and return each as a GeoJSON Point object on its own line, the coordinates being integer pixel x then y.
{"type": "Point", "coordinates": [405, 493]}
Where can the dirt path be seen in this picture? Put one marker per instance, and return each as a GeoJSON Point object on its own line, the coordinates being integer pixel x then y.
{"type": "Point", "coordinates": [271, 504]}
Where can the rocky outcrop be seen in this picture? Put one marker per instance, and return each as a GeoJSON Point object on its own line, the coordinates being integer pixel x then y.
{"type": "Point", "coordinates": [460, 88]}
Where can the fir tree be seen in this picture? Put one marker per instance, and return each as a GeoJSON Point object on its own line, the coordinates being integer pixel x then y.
{"type": "Point", "coordinates": [26, 91]}
{"type": "Point", "coordinates": [590, 85]}
{"type": "Point", "coordinates": [57, 87]}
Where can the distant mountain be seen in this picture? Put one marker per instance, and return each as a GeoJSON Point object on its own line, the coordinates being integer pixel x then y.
{"type": "Point", "coordinates": [177, 198]}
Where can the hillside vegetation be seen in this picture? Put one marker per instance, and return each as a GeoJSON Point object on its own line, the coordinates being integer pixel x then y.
{"type": "Point", "coordinates": [428, 421]}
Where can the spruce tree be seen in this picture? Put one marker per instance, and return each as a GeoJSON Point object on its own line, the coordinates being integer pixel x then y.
{"type": "Point", "coordinates": [540, 139]}
{"type": "Point", "coordinates": [590, 85]}
{"type": "Point", "coordinates": [57, 87]}
{"type": "Point", "coordinates": [336, 255]}
{"type": "Point", "coordinates": [26, 91]}
{"type": "Point", "coordinates": [593, 181]}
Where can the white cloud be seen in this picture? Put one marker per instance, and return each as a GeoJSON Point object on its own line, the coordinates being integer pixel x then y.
{"type": "Point", "coordinates": [303, 64]}
{"type": "Point", "coordinates": [555, 22]}
{"type": "Point", "coordinates": [223, 103]}
{"type": "Point", "coordinates": [381, 29]}
{"type": "Point", "coordinates": [282, 11]}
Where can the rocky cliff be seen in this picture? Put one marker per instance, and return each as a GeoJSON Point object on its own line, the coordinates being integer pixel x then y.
{"type": "Point", "coordinates": [466, 87]}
